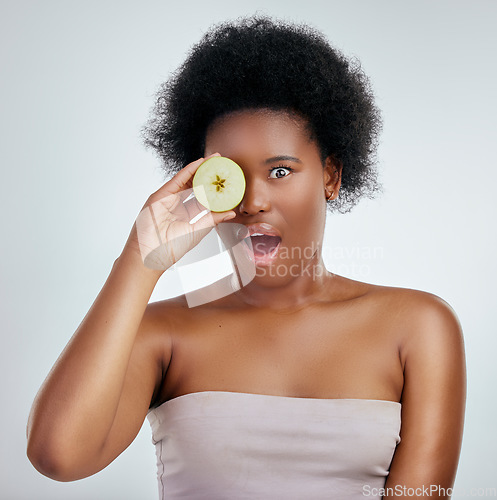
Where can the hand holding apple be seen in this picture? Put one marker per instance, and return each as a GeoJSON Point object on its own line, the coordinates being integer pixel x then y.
{"type": "Point", "coordinates": [171, 221]}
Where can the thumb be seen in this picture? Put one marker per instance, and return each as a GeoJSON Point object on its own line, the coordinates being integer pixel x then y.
{"type": "Point", "coordinates": [212, 219]}
{"type": "Point", "coordinates": [225, 216]}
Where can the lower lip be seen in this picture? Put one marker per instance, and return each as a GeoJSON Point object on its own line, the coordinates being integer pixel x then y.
{"type": "Point", "coordinates": [263, 259]}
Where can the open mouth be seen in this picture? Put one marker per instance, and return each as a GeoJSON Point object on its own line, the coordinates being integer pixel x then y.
{"type": "Point", "coordinates": [264, 244]}
{"type": "Point", "coordinates": [264, 247]}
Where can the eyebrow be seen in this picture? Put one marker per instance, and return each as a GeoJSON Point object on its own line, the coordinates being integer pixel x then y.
{"type": "Point", "coordinates": [281, 158]}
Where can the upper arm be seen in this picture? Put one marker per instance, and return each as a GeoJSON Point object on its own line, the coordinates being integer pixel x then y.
{"type": "Point", "coordinates": [147, 365]}
{"type": "Point", "coordinates": [433, 401]}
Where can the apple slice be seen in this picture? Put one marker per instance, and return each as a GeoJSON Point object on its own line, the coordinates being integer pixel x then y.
{"type": "Point", "coordinates": [219, 184]}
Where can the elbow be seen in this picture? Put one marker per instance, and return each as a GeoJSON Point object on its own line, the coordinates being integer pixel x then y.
{"type": "Point", "coordinates": [51, 462]}
{"type": "Point", "coordinates": [54, 453]}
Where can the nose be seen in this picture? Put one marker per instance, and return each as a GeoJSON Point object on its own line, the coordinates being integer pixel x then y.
{"type": "Point", "coordinates": [255, 199]}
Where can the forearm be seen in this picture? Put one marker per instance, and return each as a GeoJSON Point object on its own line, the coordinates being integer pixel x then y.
{"type": "Point", "coordinates": [77, 403]}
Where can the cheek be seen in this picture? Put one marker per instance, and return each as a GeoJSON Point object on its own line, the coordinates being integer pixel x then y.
{"type": "Point", "coordinates": [307, 189]}
{"type": "Point", "coordinates": [306, 208]}
{"type": "Point", "coordinates": [310, 194]}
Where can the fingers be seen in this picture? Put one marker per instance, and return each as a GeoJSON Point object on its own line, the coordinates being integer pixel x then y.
{"type": "Point", "coordinates": [211, 219]}
{"type": "Point", "coordinates": [182, 180]}
{"type": "Point", "coordinates": [183, 206]}
{"type": "Point", "coordinates": [193, 207]}
{"type": "Point", "coordinates": [188, 206]}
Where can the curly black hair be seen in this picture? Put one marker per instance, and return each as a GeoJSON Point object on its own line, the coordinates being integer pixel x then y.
{"type": "Point", "coordinates": [255, 63]}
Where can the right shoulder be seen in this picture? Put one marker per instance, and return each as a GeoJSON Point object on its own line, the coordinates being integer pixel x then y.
{"type": "Point", "coordinates": [162, 319]}
{"type": "Point", "coordinates": [164, 308]}
{"type": "Point", "coordinates": [161, 322]}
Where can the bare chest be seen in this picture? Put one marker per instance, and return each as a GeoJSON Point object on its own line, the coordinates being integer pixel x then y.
{"type": "Point", "coordinates": [319, 353]}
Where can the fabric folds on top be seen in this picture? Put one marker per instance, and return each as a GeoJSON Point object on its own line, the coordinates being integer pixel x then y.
{"type": "Point", "coordinates": [230, 445]}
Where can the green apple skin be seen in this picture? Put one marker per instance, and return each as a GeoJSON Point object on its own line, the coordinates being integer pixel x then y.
{"type": "Point", "coordinates": [219, 184]}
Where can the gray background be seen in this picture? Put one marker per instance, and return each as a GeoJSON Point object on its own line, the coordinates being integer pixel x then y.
{"type": "Point", "coordinates": [77, 82]}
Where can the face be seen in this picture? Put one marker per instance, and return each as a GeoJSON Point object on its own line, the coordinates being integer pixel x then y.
{"type": "Point", "coordinates": [286, 184]}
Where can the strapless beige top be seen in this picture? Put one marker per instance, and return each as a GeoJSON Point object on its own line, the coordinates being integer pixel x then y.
{"type": "Point", "coordinates": [230, 445]}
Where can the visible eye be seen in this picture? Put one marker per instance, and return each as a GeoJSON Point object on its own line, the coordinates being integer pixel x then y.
{"type": "Point", "coordinates": [279, 172]}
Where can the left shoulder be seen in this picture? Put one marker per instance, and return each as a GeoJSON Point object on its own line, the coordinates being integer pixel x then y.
{"type": "Point", "coordinates": [434, 392]}
{"type": "Point", "coordinates": [421, 318]}
{"type": "Point", "coordinates": [408, 300]}
{"type": "Point", "coordinates": [430, 324]}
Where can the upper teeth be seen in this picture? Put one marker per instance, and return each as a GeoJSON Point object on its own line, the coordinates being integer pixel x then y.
{"type": "Point", "coordinates": [257, 234]}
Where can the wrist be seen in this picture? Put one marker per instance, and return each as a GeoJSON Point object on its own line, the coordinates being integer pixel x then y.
{"type": "Point", "coordinates": [132, 262]}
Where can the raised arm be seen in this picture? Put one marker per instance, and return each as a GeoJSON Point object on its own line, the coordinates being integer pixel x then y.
{"type": "Point", "coordinates": [96, 397]}
{"type": "Point", "coordinates": [433, 402]}
{"type": "Point", "coordinates": [105, 371]}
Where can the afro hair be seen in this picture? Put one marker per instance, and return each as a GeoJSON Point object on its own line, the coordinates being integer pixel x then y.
{"type": "Point", "coordinates": [256, 63]}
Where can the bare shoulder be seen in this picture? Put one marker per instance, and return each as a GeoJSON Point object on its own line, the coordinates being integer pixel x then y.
{"type": "Point", "coordinates": [424, 322]}
{"type": "Point", "coordinates": [431, 350]}
{"type": "Point", "coordinates": [415, 317]}
{"type": "Point", "coordinates": [417, 307]}
{"type": "Point", "coordinates": [165, 310]}
{"type": "Point", "coordinates": [159, 323]}
{"type": "Point", "coordinates": [427, 318]}
{"type": "Point", "coordinates": [405, 299]}
{"type": "Point", "coordinates": [162, 319]}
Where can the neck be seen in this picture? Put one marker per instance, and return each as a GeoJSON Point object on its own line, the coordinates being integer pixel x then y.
{"type": "Point", "coordinates": [289, 293]}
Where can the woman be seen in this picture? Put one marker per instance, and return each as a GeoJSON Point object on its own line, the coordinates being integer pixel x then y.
{"type": "Point", "coordinates": [301, 383]}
